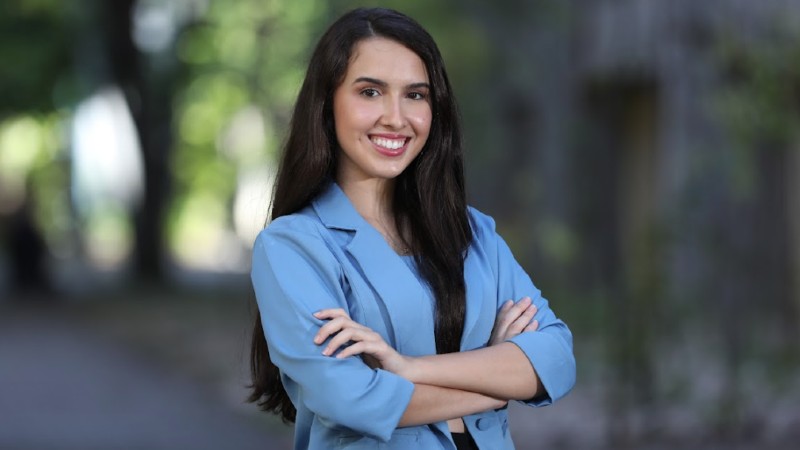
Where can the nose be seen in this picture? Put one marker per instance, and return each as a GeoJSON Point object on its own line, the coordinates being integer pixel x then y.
{"type": "Point", "coordinates": [393, 115]}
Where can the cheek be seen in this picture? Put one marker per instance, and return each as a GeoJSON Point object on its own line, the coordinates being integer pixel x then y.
{"type": "Point", "coordinates": [422, 122]}
{"type": "Point", "coordinates": [419, 116]}
{"type": "Point", "coordinates": [355, 116]}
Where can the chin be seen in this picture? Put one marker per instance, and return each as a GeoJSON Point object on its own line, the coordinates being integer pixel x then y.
{"type": "Point", "coordinates": [390, 173]}
{"type": "Point", "coordinates": [396, 173]}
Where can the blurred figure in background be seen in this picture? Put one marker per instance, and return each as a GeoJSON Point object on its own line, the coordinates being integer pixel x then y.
{"type": "Point", "coordinates": [27, 251]}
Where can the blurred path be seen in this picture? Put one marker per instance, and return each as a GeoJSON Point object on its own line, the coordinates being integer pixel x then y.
{"type": "Point", "coordinates": [66, 387]}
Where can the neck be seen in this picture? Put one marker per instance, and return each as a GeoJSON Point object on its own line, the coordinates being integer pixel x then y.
{"type": "Point", "coordinates": [372, 198]}
{"type": "Point", "coordinates": [373, 201]}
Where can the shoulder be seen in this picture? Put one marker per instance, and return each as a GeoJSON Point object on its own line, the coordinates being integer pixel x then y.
{"type": "Point", "coordinates": [301, 223]}
{"type": "Point", "coordinates": [301, 231]}
{"type": "Point", "coordinates": [294, 243]}
{"type": "Point", "coordinates": [483, 225]}
{"type": "Point", "coordinates": [485, 240]}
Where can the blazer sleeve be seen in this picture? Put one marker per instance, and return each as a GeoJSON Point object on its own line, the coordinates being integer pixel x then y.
{"type": "Point", "coordinates": [294, 275]}
{"type": "Point", "coordinates": [549, 349]}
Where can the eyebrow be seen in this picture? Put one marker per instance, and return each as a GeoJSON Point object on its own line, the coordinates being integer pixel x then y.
{"type": "Point", "coordinates": [382, 83]}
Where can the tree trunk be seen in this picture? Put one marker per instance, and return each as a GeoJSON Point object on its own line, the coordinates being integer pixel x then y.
{"type": "Point", "coordinates": [148, 96]}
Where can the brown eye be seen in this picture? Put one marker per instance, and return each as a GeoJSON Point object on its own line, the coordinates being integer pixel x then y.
{"type": "Point", "coordinates": [370, 92]}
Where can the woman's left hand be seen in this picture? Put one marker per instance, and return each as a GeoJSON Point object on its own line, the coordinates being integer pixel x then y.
{"type": "Point", "coordinates": [341, 330]}
{"type": "Point", "coordinates": [513, 319]}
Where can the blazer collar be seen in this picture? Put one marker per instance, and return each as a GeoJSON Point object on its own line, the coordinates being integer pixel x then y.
{"type": "Point", "coordinates": [335, 210]}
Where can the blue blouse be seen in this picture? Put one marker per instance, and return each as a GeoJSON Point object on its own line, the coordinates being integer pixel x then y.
{"type": "Point", "coordinates": [328, 256]}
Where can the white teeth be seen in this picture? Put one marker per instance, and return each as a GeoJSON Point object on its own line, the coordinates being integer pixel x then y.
{"type": "Point", "coordinates": [392, 144]}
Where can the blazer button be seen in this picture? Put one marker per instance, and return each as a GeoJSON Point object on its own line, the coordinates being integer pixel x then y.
{"type": "Point", "coordinates": [482, 424]}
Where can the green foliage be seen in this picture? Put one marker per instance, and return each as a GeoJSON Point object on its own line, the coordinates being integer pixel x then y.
{"type": "Point", "coordinates": [244, 62]}
{"type": "Point", "coordinates": [36, 45]}
{"type": "Point", "coordinates": [31, 169]}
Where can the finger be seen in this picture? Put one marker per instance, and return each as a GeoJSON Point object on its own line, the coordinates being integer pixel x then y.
{"type": "Point", "coordinates": [345, 336]}
{"type": "Point", "coordinates": [522, 321]}
{"type": "Point", "coordinates": [343, 339]}
{"type": "Point", "coordinates": [338, 340]}
{"type": "Point", "coordinates": [326, 330]}
{"type": "Point", "coordinates": [333, 326]}
{"type": "Point", "coordinates": [528, 315]}
{"type": "Point", "coordinates": [331, 313]}
{"type": "Point", "coordinates": [358, 348]}
{"type": "Point", "coordinates": [512, 313]}
{"type": "Point", "coordinates": [520, 307]}
{"type": "Point", "coordinates": [518, 310]}
{"type": "Point", "coordinates": [501, 320]}
{"type": "Point", "coordinates": [533, 326]}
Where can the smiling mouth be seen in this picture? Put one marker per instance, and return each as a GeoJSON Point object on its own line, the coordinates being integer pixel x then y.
{"type": "Point", "coordinates": [389, 144]}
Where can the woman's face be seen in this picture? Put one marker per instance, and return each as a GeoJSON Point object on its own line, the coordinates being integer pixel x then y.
{"type": "Point", "coordinates": [381, 110]}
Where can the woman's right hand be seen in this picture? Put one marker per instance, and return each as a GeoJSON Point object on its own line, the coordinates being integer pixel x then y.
{"type": "Point", "coordinates": [513, 319]}
{"type": "Point", "coordinates": [350, 338]}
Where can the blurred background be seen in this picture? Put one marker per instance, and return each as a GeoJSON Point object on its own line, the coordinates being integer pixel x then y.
{"type": "Point", "coordinates": [640, 157]}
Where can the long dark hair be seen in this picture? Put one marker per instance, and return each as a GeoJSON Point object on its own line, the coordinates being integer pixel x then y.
{"type": "Point", "coordinates": [429, 196]}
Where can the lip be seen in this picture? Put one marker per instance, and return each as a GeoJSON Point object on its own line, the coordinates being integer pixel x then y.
{"type": "Point", "coordinates": [391, 152]}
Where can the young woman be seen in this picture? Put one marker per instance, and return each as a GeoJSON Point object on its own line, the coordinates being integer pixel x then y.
{"type": "Point", "coordinates": [386, 313]}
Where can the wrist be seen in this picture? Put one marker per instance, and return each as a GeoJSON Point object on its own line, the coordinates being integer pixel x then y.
{"type": "Point", "coordinates": [411, 370]}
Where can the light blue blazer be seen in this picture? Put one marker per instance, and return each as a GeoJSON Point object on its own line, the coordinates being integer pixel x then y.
{"type": "Point", "coordinates": [328, 256]}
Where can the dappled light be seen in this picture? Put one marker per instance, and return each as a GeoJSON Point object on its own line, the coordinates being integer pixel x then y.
{"type": "Point", "coordinates": [244, 65]}
{"type": "Point", "coordinates": [26, 143]}
{"type": "Point", "coordinates": [33, 180]}
{"type": "Point", "coordinates": [107, 176]}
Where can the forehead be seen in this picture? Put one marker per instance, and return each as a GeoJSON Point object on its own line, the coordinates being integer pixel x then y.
{"type": "Point", "coordinates": [386, 60]}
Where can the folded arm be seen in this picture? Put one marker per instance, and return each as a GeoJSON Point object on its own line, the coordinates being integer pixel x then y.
{"type": "Point", "coordinates": [431, 404]}
{"type": "Point", "coordinates": [500, 372]}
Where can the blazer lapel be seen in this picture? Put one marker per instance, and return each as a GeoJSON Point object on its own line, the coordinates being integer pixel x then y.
{"type": "Point", "coordinates": [407, 302]}
{"type": "Point", "coordinates": [481, 302]}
